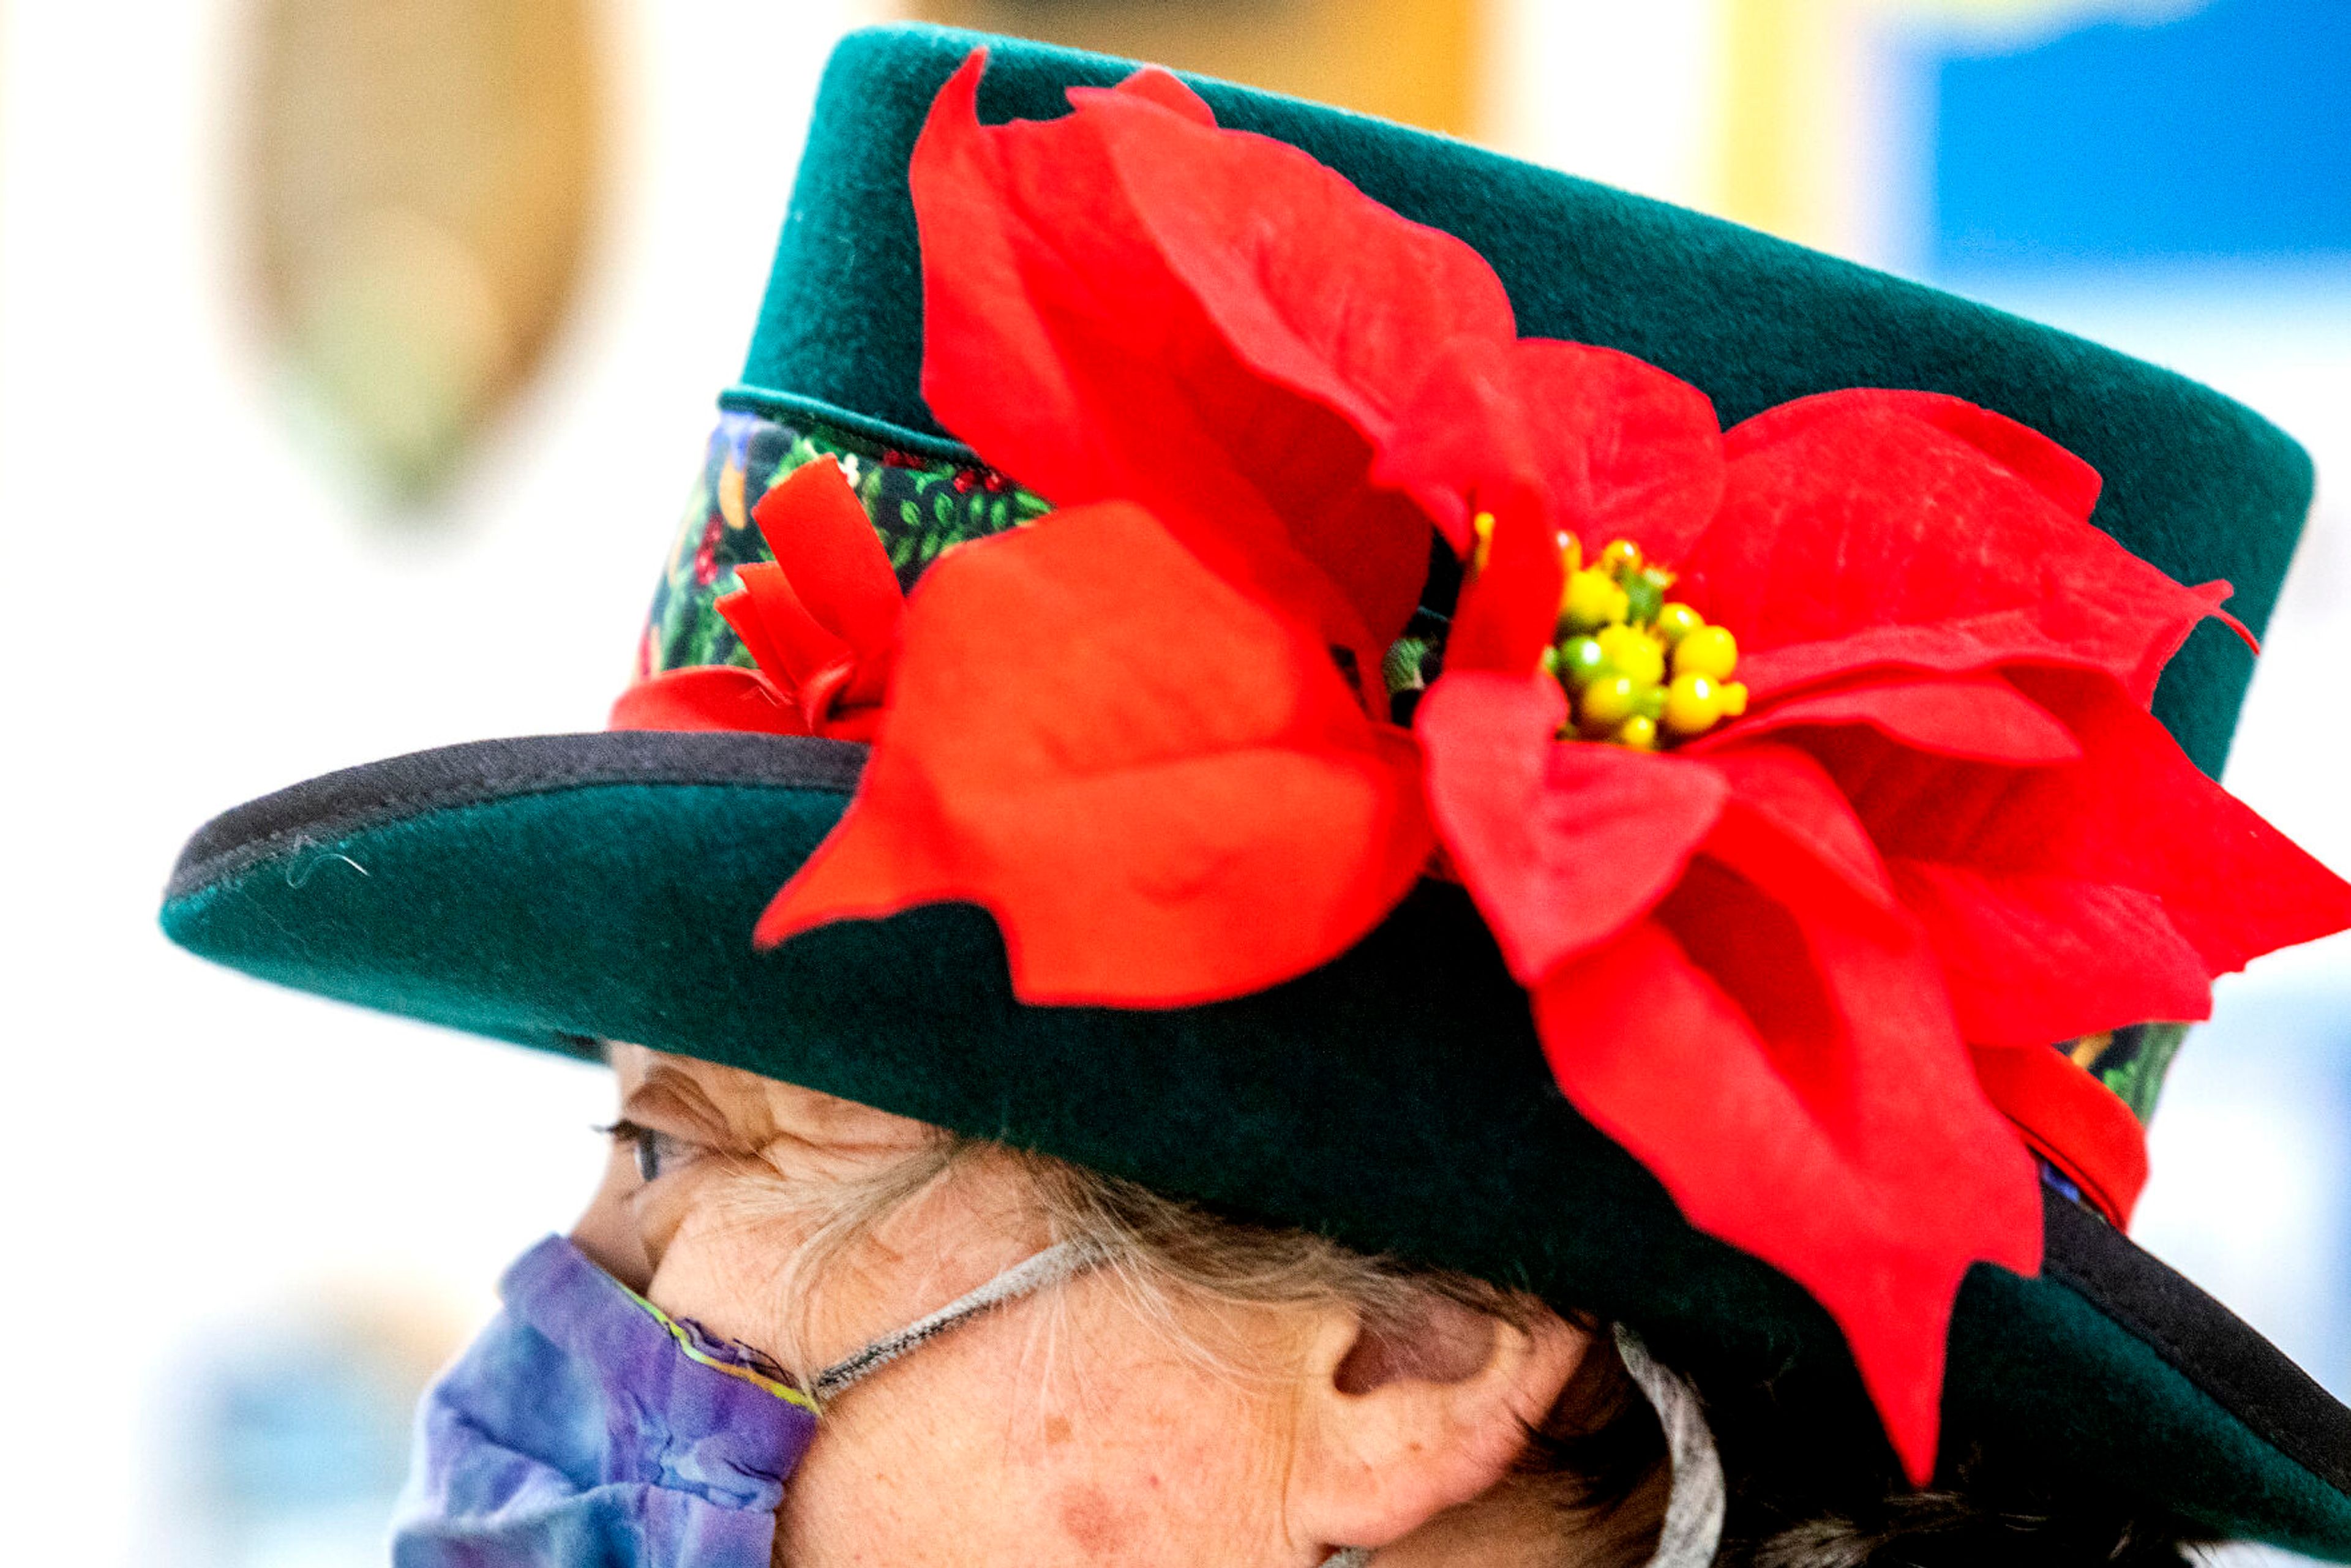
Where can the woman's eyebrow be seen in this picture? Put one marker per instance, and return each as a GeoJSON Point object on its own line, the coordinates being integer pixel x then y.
{"type": "Point", "coordinates": [668, 1093]}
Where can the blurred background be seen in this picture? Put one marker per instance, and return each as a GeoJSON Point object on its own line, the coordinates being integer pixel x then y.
{"type": "Point", "coordinates": [355, 357]}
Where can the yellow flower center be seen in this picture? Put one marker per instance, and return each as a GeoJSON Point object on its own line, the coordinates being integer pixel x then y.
{"type": "Point", "coordinates": [1639, 669]}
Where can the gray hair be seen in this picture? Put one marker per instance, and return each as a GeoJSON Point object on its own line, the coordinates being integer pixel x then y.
{"type": "Point", "coordinates": [1598, 1460]}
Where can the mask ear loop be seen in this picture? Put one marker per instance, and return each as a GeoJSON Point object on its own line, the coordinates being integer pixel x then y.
{"type": "Point", "coordinates": [1692, 1531]}
{"type": "Point", "coordinates": [1043, 1271]}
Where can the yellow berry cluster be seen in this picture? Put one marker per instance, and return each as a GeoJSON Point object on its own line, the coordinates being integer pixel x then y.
{"type": "Point", "coordinates": [1638, 668]}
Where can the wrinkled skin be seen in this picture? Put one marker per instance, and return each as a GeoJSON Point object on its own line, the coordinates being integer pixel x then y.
{"type": "Point", "coordinates": [1067, 1428]}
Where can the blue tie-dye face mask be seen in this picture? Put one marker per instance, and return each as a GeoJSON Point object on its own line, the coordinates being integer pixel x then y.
{"type": "Point", "coordinates": [587, 1426]}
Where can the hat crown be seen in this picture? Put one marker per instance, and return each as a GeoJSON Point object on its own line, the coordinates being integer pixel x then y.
{"type": "Point", "coordinates": [2195, 483]}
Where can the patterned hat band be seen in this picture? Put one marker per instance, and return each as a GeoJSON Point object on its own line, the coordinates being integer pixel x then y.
{"type": "Point", "coordinates": [923, 497]}
{"type": "Point", "coordinates": [921, 500]}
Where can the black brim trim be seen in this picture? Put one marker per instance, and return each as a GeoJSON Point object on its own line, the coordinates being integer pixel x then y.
{"type": "Point", "coordinates": [336, 805]}
{"type": "Point", "coordinates": [2217, 1350]}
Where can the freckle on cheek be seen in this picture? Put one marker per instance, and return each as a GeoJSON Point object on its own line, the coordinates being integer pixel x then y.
{"type": "Point", "coordinates": [1089, 1519]}
{"type": "Point", "coordinates": [1057, 1430]}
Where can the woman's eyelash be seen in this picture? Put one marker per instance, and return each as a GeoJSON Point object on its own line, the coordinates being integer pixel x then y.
{"type": "Point", "coordinates": [655, 1148]}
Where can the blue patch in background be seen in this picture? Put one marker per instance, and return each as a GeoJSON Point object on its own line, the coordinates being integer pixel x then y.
{"type": "Point", "coordinates": [2223, 136]}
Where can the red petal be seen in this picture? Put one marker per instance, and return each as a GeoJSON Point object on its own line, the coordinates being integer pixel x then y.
{"type": "Point", "coordinates": [2034, 960]}
{"type": "Point", "coordinates": [1314, 286]}
{"type": "Point", "coordinates": [821, 537]}
{"type": "Point", "coordinates": [1562, 844]}
{"type": "Point", "coordinates": [2070, 484]}
{"type": "Point", "coordinates": [2216, 593]}
{"type": "Point", "coordinates": [789, 644]}
{"type": "Point", "coordinates": [1845, 990]}
{"type": "Point", "coordinates": [2133, 813]}
{"type": "Point", "coordinates": [1159, 87]}
{"type": "Point", "coordinates": [1164, 792]}
{"type": "Point", "coordinates": [2043, 635]}
{"type": "Point", "coordinates": [1509, 610]}
{"type": "Point", "coordinates": [2070, 1120]}
{"type": "Point", "coordinates": [1803, 1105]}
{"type": "Point", "coordinates": [1961, 645]}
{"type": "Point", "coordinates": [707, 696]}
{"type": "Point", "coordinates": [1851, 514]}
{"type": "Point", "coordinates": [1977, 716]}
{"type": "Point", "coordinates": [1608, 447]}
{"type": "Point", "coordinates": [1782, 803]}
{"type": "Point", "coordinates": [1127, 304]}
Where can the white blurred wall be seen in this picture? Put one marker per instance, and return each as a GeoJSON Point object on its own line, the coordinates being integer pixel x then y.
{"type": "Point", "coordinates": [194, 617]}
{"type": "Point", "coordinates": [1624, 94]}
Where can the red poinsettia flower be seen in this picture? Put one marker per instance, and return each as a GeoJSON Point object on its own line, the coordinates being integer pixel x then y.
{"type": "Point", "coordinates": [1935, 824]}
{"type": "Point", "coordinates": [821, 622]}
{"type": "Point", "coordinates": [1799, 966]}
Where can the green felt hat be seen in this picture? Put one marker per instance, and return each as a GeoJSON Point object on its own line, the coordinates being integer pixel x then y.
{"type": "Point", "coordinates": [558, 891]}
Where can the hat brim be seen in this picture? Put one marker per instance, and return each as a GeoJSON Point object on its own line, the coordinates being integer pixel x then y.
{"type": "Point", "coordinates": [558, 891]}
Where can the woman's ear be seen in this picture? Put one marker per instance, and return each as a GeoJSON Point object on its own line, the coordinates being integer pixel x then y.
{"type": "Point", "coordinates": [1401, 1421]}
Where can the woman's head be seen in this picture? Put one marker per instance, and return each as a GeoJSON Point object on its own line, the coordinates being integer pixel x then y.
{"type": "Point", "coordinates": [1206, 1394]}
{"type": "Point", "coordinates": [1209, 1390]}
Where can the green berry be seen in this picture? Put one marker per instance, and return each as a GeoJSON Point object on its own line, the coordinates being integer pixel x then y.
{"type": "Point", "coordinates": [1580, 659]}
{"type": "Point", "coordinates": [1643, 598]}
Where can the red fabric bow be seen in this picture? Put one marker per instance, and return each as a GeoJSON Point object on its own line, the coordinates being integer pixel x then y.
{"type": "Point", "coordinates": [821, 622]}
{"type": "Point", "coordinates": [1946, 823]}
